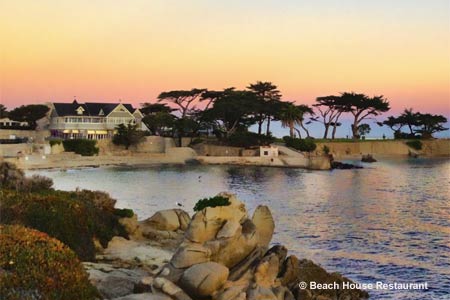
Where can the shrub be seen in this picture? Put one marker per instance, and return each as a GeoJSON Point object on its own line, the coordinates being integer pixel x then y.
{"type": "Point", "coordinates": [196, 141]}
{"type": "Point", "coordinates": [55, 142]}
{"type": "Point", "coordinates": [124, 212]}
{"type": "Point", "coordinates": [326, 149]}
{"type": "Point", "coordinates": [81, 146]}
{"type": "Point", "coordinates": [211, 202]}
{"type": "Point", "coordinates": [415, 144]}
{"type": "Point", "coordinates": [35, 266]}
{"type": "Point", "coordinates": [306, 144]}
{"type": "Point", "coordinates": [247, 139]}
{"type": "Point", "coordinates": [75, 218]}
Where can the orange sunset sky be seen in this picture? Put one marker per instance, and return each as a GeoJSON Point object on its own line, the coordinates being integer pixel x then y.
{"type": "Point", "coordinates": [99, 50]}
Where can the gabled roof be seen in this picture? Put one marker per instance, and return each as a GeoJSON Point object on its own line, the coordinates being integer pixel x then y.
{"type": "Point", "coordinates": [90, 108]}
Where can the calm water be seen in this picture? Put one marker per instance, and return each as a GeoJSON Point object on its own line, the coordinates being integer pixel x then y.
{"type": "Point", "coordinates": [388, 222]}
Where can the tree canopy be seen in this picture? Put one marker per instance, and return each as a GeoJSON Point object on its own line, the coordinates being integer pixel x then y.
{"type": "Point", "coordinates": [127, 135]}
{"type": "Point", "coordinates": [29, 113]}
{"type": "Point", "coordinates": [3, 111]}
{"type": "Point", "coordinates": [419, 124]}
{"type": "Point", "coordinates": [269, 96]}
{"type": "Point", "coordinates": [233, 110]}
{"type": "Point", "coordinates": [184, 99]}
{"type": "Point", "coordinates": [363, 107]}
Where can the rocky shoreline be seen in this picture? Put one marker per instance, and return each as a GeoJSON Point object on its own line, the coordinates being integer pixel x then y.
{"type": "Point", "coordinates": [221, 253]}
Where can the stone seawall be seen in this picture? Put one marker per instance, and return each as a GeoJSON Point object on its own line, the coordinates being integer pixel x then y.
{"type": "Point", "coordinates": [38, 136]}
{"type": "Point", "coordinates": [439, 147]}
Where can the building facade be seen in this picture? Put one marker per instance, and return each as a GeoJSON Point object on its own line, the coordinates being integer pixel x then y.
{"type": "Point", "coordinates": [91, 120]}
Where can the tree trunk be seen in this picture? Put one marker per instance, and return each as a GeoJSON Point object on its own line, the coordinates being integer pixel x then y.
{"type": "Point", "coordinates": [259, 127]}
{"type": "Point", "coordinates": [298, 132]}
{"type": "Point", "coordinates": [325, 134]}
{"type": "Point", "coordinates": [304, 128]}
{"type": "Point", "coordinates": [333, 134]}
{"type": "Point", "coordinates": [291, 130]}
{"type": "Point", "coordinates": [355, 130]}
{"type": "Point", "coordinates": [268, 126]}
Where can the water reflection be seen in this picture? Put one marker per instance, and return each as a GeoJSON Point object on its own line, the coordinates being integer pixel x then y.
{"type": "Point", "coordinates": [389, 221]}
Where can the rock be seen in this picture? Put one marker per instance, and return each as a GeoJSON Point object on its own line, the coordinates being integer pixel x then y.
{"type": "Point", "coordinates": [239, 270]}
{"type": "Point", "coordinates": [131, 226]}
{"type": "Point", "coordinates": [263, 220]}
{"type": "Point", "coordinates": [190, 254]}
{"type": "Point", "coordinates": [283, 293]}
{"type": "Point", "coordinates": [171, 273]}
{"type": "Point", "coordinates": [204, 279]}
{"type": "Point", "coordinates": [229, 229]}
{"type": "Point", "coordinates": [144, 285]}
{"type": "Point", "coordinates": [99, 272]}
{"type": "Point", "coordinates": [134, 252]}
{"type": "Point", "coordinates": [260, 293]}
{"type": "Point", "coordinates": [231, 293]}
{"type": "Point", "coordinates": [168, 219]}
{"type": "Point", "coordinates": [309, 271]}
{"type": "Point", "coordinates": [145, 296]}
{"type": "Point", "coordinates": [114, 286]}
{"type": "Point", "coordinates": [368, 158]}
{"type": "Point", "coordinates": [280, 251]}
{"type": "Point", "coordinates": [290, 272]}
{"type": "Point", "coordinates": [267, 271]}
{"type": "Point", "coordinates": [171, 289]}
{"type": "Point", "coordinates": [183, 218]}
{"type": "Point", "coordinates": [343, 166]}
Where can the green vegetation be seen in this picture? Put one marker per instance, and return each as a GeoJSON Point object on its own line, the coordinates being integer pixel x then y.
{"type": "Point", "coordinates": [55, 142]}
{"type": "Point", "coordinates": [124, 212]}
{"type": "Point", "coordinates": [326, 149]}
{"type": "Point", "coordinates": [247, 139]}
{"type": "Point", "coordinates": [81, 146]}
{"type": "Point", "coordinates": [291, 115]}
{"type": "Point", "coordinates": [75, 218]}
{"type": "Point", "coordinates": [196, 141]}
{"type": "Point", "coordinates": [419, 125]}
{"type": "Point", "coordinates": [415, 144]}
{"type": "Point", "coordinates": [306, 145]}
{"type": "Point", "coordinates": [127, 135]}
{"type": "Point", "coordinates": [36, 266]}
{"type": "Point", "coordinates": [14, 179]}
{"type": "Point", "coordinates": [29, 113]}
{"type": "Point", "coordinates": [363, 130]}
{"type": "Point", "coordinates": [211, 202]}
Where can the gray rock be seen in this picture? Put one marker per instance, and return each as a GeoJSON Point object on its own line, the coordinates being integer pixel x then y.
{"type": "Point", "coordinates": [114, 287]}
{"type": "Point", "coordinates": [145, 296]}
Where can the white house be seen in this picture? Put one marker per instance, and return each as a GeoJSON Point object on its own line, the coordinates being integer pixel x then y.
{"type": "Point", "coordinates": [91, 120]}
{"type": "Point", "coordinates": [7, 122]}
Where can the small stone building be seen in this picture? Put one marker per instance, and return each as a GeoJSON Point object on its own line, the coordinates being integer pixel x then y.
{"type": "Point", "coordinates": [268, 151]}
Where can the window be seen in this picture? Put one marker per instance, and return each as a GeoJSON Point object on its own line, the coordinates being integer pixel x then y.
{"type": "Point", "coordinates": [266, 153]}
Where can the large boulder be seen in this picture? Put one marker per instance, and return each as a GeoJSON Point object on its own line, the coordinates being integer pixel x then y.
{"type": "Point", "coordinates": [169, 219]}
{"type": "Point", "coordinates": [224, 256]}
{"type": "Point", "coordinates": [207, 223]}
{"type": "Point", "coordinates": [265, 226]}
{"type": "Point", "coordinates": [190, 254]}
{"type": "Point", "coordinates": [204, 279]}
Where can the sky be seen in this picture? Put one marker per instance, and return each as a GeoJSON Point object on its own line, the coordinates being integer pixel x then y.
{"type": "Point", "coordinates": [104, 50]}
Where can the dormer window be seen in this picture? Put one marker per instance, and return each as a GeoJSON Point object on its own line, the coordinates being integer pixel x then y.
{"type": "Point", "coordinates": [80, 110]}
{"type": "Point", "coordinates": [101, 113]}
